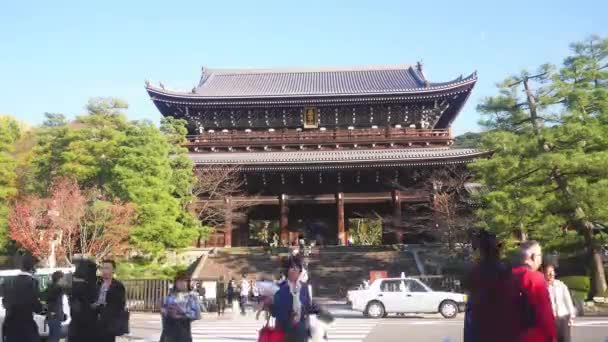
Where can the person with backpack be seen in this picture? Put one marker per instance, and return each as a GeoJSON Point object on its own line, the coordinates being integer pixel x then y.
{"type": "Point", "coordinates": [536, 321]}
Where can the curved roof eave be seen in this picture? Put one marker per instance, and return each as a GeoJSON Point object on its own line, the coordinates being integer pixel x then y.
{"type": "Point", "coordinates": [432, 88]}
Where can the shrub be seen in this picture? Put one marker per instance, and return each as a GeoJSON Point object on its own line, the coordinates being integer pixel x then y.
{"type": "Point", "coordinates": [140, 270]}
{"type": "Point", "coordinates": [578, 285]}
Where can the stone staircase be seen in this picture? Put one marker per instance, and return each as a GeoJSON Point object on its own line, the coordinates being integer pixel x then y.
{"type": "Point", "coordinates": [333, 270]}
{"type": "Point", "coordinates": [233, 262]}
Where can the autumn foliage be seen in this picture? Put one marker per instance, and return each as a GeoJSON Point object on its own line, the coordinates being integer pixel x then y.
{"type": "Point", "coordinates": [71, 222]}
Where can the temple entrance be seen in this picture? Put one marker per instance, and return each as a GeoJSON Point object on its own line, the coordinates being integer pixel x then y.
{"type": "Point", "coordinates": [324, 219]}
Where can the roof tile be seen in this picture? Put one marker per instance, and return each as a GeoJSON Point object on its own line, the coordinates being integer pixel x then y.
{"type": "Point", "coordinates": [278, 82]}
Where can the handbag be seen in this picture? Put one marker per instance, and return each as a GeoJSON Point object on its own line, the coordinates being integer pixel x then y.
{"type": "Point", "coordinates": [271, 334]}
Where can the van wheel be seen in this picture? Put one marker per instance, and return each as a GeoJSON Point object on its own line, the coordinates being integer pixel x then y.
{"type": "Point", "coordinates": [448, 309]}
{"type": "Point", "coordinates": [375, 310]}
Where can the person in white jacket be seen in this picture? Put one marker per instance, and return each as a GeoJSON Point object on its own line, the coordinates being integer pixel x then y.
{"type": "Point", "coordinates": [561, 303]}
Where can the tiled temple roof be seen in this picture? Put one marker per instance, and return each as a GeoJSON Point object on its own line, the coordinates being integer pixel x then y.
{"type": "Point", "coordinates": [277, 83]}
{"type": "Point", "coordinates": [338, 158]}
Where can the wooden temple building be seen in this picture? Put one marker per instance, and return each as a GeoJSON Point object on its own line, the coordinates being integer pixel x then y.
{"type": "Point", "coordinates": [319, 146]}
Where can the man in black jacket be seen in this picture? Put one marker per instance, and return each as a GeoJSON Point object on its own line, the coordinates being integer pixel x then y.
{"type": "Point", "coordinates": [111, 302]}
{"type": "Point", "coordinates": [21, 300]}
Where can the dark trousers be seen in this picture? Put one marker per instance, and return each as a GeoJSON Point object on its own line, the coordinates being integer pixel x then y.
{"type": "Point", "coordinates": [20, 331]}
{"type": "Point", "coordinates": [221, 305]}
{"type": "Point", "coordinates": [54, 330]}
{"type": "Point", "coordinates": [563, 329]}
{"type": "Point", "coordinates": [243, 302]}
{"type": "Point", "coordinates": [106, 338]}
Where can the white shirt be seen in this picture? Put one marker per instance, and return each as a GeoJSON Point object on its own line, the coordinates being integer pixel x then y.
{"type": "Point", "coordinates": [561, 302]}
{"type": "Point", "coordinates": [245, 288]}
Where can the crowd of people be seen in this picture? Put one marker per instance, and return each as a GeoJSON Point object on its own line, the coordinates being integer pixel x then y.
{"type": "Point", "coordinates": [516, 302]}
{"type": "Point", "coordinates": [96, 304]}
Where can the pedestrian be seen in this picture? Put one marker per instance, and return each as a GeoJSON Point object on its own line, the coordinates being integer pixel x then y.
{"type": "Point", "coordinates": [83, 326]}
{"type": "Point", "coordinates": [561, 303]}
{"type": "Point", "coordinates": [21, 300]}
{"type": "Point", "coordinates": [110, 304]}
{"type": "Point", "coordinates": [220, 296]}
{"type": "Point", "coordinates": [490, 313]}
{"type": "Point", "coordinates": [56, 301]}
{"type": "Point", "coordinates": [231, 294]}
{"type": "Point", "coordinates": [200, 289]}
{"type": "Point", "coordinates": [536, 323]}
{"type": "Point", "coordinates": [291, 303]}
{"type": "Point", "coordinates": [255, 290]}
{"type": "Point", "coordinates": [179, 309]}
{"type": "Point", "coordinates": [245, 289]}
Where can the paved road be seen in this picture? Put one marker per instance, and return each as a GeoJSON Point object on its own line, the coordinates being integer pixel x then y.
{"type": "Point", "coordinates": [348, 327]}
{"type": "Point", "coordinates": [432, 329]}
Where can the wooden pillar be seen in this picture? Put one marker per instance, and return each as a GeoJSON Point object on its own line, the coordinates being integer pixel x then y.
{"type": "Point", "coordinates": [284, 222]}
{"type": "Point", "coordinates": [341, 229]}
{"type": "Point", "coordinates": [397, 217]}
{"type": "Point", "coordinates": [228, 222]}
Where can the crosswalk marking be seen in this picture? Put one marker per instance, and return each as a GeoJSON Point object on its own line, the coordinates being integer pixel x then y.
{"type": "Point", "coordinates": [343, 330]}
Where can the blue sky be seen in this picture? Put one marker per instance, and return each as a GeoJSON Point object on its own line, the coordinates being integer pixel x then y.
{"type": "Point", "coordinates": [55, 55]}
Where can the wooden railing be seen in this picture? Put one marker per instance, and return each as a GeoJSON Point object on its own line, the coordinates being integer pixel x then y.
{"type": "Point", "coordinates": [363, 136]}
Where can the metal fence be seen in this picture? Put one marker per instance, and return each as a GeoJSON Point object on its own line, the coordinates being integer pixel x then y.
{"type": "Point", "coordinates": [146, 294]}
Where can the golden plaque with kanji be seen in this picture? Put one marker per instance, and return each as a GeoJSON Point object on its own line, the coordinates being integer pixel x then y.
{"type": "Point", "coordinates": [311, 117]}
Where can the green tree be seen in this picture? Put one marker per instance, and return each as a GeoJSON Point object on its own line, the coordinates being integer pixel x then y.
{"type": "Point", "coordinates": [125, 161]}
{"type": "Point", "coordinates": [10, 132]}
{"type": "Point", "coordinates": [366, 231]}
{"type": "Point", "coordinates": [92, 143]}
{"type": "Point", "coordinates": [549, 171]}
{"type": "Point", "coordinates": [468, 140]}
{"type": "Point", "coordinates": [182, 177]}
{"type": "Point", "coordinates": [142, 174]}
{"type": "Point", "coordinates": [47, 156]}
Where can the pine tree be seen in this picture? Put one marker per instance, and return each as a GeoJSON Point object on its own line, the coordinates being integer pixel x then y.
{"type": "Point", "coordinates": [549, 172]}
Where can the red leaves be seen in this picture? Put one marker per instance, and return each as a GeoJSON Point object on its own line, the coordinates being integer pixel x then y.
{"type": "Point", "coordinates": [72, 222]}
{"type": "Point", "coordinates": [28, 226]}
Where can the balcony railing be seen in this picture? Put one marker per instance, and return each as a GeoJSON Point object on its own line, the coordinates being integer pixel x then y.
{"type": "Point", "coordinates": [339, 136]}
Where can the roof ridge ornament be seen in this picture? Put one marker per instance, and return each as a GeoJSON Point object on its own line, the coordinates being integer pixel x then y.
{"type": "Point", "coordinates": [147, 83]}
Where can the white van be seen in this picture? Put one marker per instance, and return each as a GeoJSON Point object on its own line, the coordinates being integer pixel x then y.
{"type": "Point", "coordinates": [43, 275]}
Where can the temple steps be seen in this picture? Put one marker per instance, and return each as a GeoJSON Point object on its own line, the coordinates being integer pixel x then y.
{"type": "Point", "coordinates": [333, 270]}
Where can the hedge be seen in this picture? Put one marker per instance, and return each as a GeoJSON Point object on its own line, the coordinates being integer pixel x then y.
{"type": "Point", "coordinates": [578, 285]}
